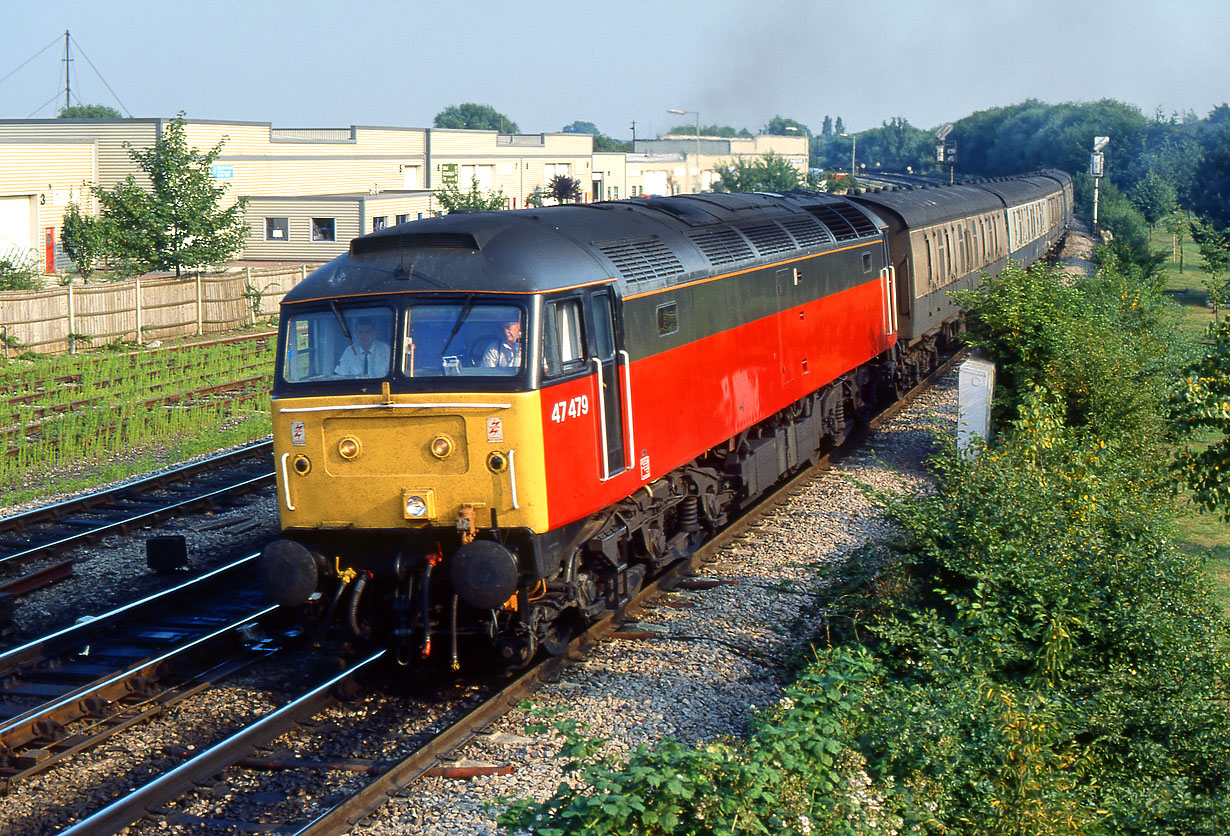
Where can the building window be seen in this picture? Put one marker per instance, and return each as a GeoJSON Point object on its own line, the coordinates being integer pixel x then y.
{"type": "Point", "coordinates": [324, 229]}
{"type": "Point", "coordinates": [379, 222]}
{"type": "Point", "coordinates": [401, 219]}
{"type": "Point", "coordinates": [277, 229]}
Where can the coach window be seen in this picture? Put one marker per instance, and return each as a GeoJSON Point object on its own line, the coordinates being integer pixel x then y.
{"type": "Point", "coordinates": [277, 229]}
{"type": "Point", "coordinates": [563, 345]}
{"type": "Point", "coordinates": [866, 262]}
{"type": "Point", "coordinates": [324, 229]}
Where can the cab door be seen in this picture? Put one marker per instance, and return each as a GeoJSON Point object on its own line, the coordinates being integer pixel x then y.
{"type": "Point", "coordinates": [609, 366]}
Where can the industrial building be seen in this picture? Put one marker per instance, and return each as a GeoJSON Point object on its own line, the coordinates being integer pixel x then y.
{"type": "Point", "coordinates": [311, 190]}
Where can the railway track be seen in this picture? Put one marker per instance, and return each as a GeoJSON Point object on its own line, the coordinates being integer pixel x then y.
{"type": "Point", "coordinates": [68, 691]}
{"type": "Point", "coordinates": [53, 530]}
{"type": "Point", "coordinates": [385, 778]}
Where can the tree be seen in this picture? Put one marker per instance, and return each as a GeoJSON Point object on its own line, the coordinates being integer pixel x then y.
{"type": "Point", "coordinates": [475, 117]}
{"type": "Point", "coordinates": [839, 127]}
{"type": "Point", "coordinates": [1201, 403]}
{"type": "Point", "coordinates": [177, 222]}
{"type": "Point", "coordinates": [1214, 246]}
{"type": "Point", "coordinates": [582, 128]}
{"type": "Point", "coordinates": [453, 199]}
{"type": "Point", "coordinates": [724, 131]}
{"type": "Point", "coordinates": [780, 126]}
{"type": "Point", "coordinates": [1154, 197]}
{"type": "Point", "coordinates": [602, 142]}
{"type": "Point", "coordinates": [770, 173]}
{"type": "Point", "coordinates": [564, 189]}
{"type": "Point", "coordinates": [827, 130]}
{"type": "Point", "coordinates": [92, 111]}
{"type": "Point", "coordinates": [83, 239]}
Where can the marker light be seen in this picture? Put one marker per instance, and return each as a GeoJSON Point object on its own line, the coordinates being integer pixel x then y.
{"type": "Point", "coordinates": [416, 507]}
{"type": "Point", "coordinates": [442, 447]}
{"type": "Point", "coordinates": [348, 447]}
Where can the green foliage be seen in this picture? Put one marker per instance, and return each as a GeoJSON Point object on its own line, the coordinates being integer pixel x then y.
{"type": "Point", "coordinates": [475, 117]}
{"type": "Point", "coordinates": [1054, 664]}
{"type": "Point", "coordinates": [725, 131]}
{"type": "Point", "coordinates": [602, 142]}
{"type": "Point", "coordinates": [91, 111]}
{"type": "Point", "coordinates": [893, 146]}
{"type": "Point", "coordinates": [770, 173]}
{"type": "Point", "coordinates": [564, 189]}
{"type": "Point", "coordinates": [19, 272]}
{"type": "Point", "coordinates": [83, 239]}
{"type": "Point", "coordinates": [780, 125]}
{"type": "Point", "coordinates": [1098, 344]}
{"type": "Point", "coordinates": [1154, 197]}
{"type": "Point", "coordinates": [453, 199]}
{"type": "Point", "coordinates": [176, 223]}
{"type": "Point", "coordinates": [790, 776]}
{"type": "Point", "coordinates": [1214, 246]}
{"type": "Point", "coordinates": [1201, 401]}
{"type": "Point", "coordinates": [1210, 192]}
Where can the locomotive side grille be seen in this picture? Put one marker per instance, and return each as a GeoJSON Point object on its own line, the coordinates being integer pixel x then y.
{"type": "Point", "coordinates": [639, 260]}
{"type": "Point", "coordinates": [722, 246]}
{"type": "Point", "coordinates": [806, 231]}
{"type": "Point", "coordinates": [769, 238]}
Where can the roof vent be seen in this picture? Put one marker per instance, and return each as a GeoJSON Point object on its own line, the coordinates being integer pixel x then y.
{"type": "Point", "coordinates": [640, 260]}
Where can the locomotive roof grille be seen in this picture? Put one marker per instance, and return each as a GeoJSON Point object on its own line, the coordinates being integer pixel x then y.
{"type": "Point", "coordinates": [845, 222]}
{"type": "Point", "coordinates": [722, 246]}
{"type": "Point", "coordinates": [768, 238]}
{"type": "Point", "coordinates": [807, 231]}
{"type": "Point", "coordinates": [639, 260]}
{"type": "Point", "coordinates": [414, 240]}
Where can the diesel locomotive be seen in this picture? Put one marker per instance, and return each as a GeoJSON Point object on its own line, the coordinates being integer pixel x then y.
{"type": "Point", "coordinates": [489, 427]}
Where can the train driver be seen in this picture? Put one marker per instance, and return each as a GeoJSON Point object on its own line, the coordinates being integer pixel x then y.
{"type": "Point", "coordinates": [366, 356]}
{"type": "Point", "coordinates": [504, 353]}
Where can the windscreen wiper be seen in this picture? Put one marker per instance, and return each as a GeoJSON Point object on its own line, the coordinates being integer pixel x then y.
{"type": "Point", "coordinates": [341, 321]}
{"type": "Point", "coordinates": [461, 318]}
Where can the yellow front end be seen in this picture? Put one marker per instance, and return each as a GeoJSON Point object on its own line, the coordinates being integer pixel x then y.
{"type": "Point", "coordinates": [409, 461]}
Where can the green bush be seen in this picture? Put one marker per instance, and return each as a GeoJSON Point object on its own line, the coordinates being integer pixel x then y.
{"type": "Point", "coordinates": [19, 273]}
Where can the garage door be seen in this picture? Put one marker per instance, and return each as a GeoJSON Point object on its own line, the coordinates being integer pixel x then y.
{"type": "Point", "coordinates": [15, 230]}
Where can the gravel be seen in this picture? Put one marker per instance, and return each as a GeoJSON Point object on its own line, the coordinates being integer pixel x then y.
{"type": "Point", "coordinates": [707, 667]}
{"type": "Point", "coordinates": [710, 665]}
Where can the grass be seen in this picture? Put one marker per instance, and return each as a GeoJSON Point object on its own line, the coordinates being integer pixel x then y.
{"type": "Point", "coordinates": [76, 422]}
{"type": "Point", "coordinates": [1204, 536]}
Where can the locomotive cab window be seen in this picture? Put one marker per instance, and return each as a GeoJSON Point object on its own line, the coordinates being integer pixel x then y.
{"type": "Point", "coordinates": [465, 339]}
{"type": "Point", "coordinates": [338, 343]}
{"type": "Point", "coordinates": [563, 343]}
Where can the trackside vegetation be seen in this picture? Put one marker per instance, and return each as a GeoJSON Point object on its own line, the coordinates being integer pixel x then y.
{"type": "Point", "coordinates": [1029, 653]}
{"type": "Point", "coordinates": [76, 421]}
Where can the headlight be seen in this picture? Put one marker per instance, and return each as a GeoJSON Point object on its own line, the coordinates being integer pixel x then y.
{"type": "Point", "coordinates": [416, 507]}
{"type": "Point", "coordinates": [441, 446]}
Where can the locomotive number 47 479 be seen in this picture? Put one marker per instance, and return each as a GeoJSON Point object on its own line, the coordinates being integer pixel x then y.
{"type": "Point", "coordinates": [574, 408]}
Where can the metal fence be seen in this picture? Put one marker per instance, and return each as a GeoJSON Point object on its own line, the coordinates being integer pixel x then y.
{"type": "Point", "coordinates": [57, 319]}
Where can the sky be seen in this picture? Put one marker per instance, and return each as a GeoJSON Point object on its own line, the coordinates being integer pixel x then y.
{"type": "Point", "coordinates": [547, 63]}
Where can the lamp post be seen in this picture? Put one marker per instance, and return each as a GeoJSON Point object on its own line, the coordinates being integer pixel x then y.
{"type": "Point", "coordinates": [696, 180]}
{"type": "Point", "coordinates": [853, 148]}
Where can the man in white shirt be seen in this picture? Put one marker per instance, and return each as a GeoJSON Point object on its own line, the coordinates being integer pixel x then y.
{"type": "Point", "coordinates": [367, 356]}
{"type": "Point", "coordinates": [505, 353]}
